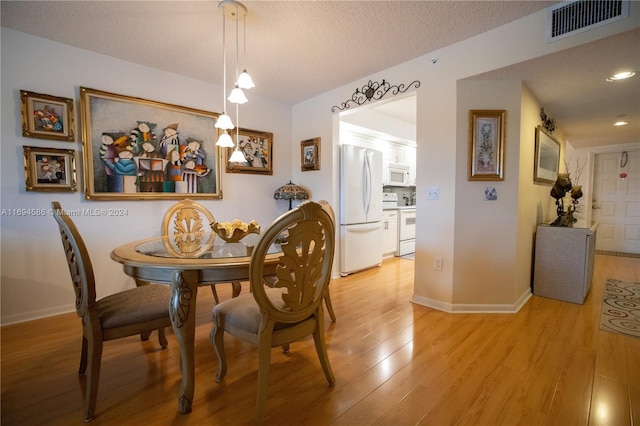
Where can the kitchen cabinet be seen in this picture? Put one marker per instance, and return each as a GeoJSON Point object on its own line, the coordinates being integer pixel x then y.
{"type": "Point", "coordinates": [411, 159]}
{"type": "Point", "coordinates": [564, 262]}
{"type": "Point", "coordinates": [390, 230]}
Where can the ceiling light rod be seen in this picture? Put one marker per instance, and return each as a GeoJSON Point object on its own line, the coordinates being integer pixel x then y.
{"type": "Point", "coordinates": [235, 10]}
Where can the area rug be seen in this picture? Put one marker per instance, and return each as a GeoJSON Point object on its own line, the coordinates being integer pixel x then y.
{"type": "Point", "coordinates": [621, 308]}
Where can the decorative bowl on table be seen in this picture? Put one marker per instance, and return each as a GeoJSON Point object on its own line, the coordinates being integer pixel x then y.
{"type": "Point", "coordinates": [232, 232]}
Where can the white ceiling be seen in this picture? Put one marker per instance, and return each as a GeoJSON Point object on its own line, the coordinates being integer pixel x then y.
{"type": "Point", "coordinates": [300, 49]}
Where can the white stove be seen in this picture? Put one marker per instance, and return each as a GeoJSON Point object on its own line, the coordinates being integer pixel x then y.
{"type": "Point", "coordinates": [389, 200]}
{"type": "Point", "coordinates": [406, 224]}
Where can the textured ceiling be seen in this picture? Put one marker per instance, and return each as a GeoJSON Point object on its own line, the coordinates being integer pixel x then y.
{"type": "Point", "coordinates": [295, 49]}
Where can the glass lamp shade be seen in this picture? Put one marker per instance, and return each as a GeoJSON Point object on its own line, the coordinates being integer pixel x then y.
{"type": "Point", "coordinates": [291, 191]}
{"type": "Point", "coordinates": [225, 140]}
{"type": "Point", "coordinates": [224, 122]}
{"type": "Point", "coordinates": [237, 96]}
{"type": "Point", "coordinates": [237, 157]}
{"type": "Point", "coordinates": [245, 81]}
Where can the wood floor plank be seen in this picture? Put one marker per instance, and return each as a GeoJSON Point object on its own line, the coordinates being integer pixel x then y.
{"type": "Point", "coordinates": [395, 362]}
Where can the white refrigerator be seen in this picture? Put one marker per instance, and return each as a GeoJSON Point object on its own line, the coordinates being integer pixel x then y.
{"type": "Point", "coordinates": [361, 231]}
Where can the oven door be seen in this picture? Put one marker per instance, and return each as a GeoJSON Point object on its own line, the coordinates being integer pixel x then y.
{"type": "Point", "coordinates": [407, 224]}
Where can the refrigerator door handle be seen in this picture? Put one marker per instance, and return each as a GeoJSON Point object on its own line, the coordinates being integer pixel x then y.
{"type": "Point", "coordinates": [367, 183]}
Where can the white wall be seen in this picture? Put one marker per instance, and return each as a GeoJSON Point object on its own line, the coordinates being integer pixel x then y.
{"type": "Point", "coordinates": [485, 231]}
{"type": "Point", "coordinates": [35, 278]}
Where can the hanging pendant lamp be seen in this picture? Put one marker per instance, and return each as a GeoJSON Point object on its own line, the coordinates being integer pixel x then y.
{"type": "Point", "coordinates": [244, 79]}
{"type": "Point", "coordinates": [234, 10]}
{"type": "Point", "coordinates": [224, 121]}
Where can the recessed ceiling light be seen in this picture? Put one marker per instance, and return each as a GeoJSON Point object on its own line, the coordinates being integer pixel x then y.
{"type": "Point", "coordinates": [620, 123]}
{"type": "Point", "coordinates": [622, 75]}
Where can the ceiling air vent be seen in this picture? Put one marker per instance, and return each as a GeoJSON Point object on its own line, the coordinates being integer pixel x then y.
{"type": "Point", "coordinates": [569, 18]}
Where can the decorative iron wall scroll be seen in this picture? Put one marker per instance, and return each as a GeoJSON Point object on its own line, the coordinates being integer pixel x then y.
{"type": "Point", "coordinates": [374, 91]}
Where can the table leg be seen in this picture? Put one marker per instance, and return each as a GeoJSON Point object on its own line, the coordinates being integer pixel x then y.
{"type": "Point", "coordinates": [183, 317]}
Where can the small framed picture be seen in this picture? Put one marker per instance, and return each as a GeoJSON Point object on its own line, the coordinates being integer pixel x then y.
{"type": "Point", "coordinates": [49, 169]}
{"type": "Point", "coordinates": [257, 148]}
{"type": "Point", "coordinates": [46, 116]}
{"type": "Point", "coordinates": [490, 194]}
{"type": "Point", "coordinates": [486, 144]}
{"type": "Point", "coordinates": [310, 154]}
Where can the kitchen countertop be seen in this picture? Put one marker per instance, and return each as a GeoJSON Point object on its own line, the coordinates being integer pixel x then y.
{"type": "Point", "coordinates": [399, 208]}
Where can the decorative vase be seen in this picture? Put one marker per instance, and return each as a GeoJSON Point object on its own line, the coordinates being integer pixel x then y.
{"type": "Point", "coordinates": [484, 157]}
{"type": "Point", "coordinates": [576, 192]}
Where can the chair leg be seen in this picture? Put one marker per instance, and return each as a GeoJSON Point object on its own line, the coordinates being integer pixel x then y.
{"type": "Point", "coordinates": [321, 349]}
{"type": "Point", "coordinates": [215, 293]}
{"type": "Point", "coordinates": [237, 288]}
{"type": "Point", "coordinates": [144, 336]}
{"type": "Point", "coordinates": [264, 364]}
{"type": "Point", "coordinates": [83, 357]}
{"type": "Point", "coordinates": [327, 301]}
{"type": "Point", "coordinates": [217, 339]}
{"type": "Point", "coordinates": [93, 377]}
{"type": "Point", "coordinates": [162, 338]}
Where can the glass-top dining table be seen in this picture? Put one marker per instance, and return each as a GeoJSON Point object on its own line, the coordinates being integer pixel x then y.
{"type": "Point", "coordinates": [185, 262]}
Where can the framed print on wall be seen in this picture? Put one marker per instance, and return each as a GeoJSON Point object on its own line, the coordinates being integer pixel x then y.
{"type": "Point", "coordinates": [310, 154]}
{"type": "Point", "coordinates": [140, 149]}
{"type": "Point", "coordinates": [486, 144]}
{"type": "Point", "coordinates": [547, 157]}
{"type": "Point", "coordinates": [49, 169]}
{"type": "Point", "coordinates": [257, 148]}
{"type": "Point", "coordinates": [46, 116]}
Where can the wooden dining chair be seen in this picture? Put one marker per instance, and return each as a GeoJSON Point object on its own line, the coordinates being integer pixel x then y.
{"type": "Point", "coordinates": [189, 217]}
{"type": "Point", "coordinates": [327, 297]}
{"type": "Point", "coordinates": [290, 307]}
{"type": "Point", "coordinates": [138, 310]}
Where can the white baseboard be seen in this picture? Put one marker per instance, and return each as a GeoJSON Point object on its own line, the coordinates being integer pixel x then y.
{"type": "Point", "coordinates": [473, 308]}
{"type": "Point", "coordinates": [39, 314]}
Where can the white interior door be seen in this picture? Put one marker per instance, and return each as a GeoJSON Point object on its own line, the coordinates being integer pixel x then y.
{"type": "Point", "coordinates": [616, 201]}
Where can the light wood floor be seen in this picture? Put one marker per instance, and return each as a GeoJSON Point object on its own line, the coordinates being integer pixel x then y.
{"type": "Point", "coordinates": [395, 363]}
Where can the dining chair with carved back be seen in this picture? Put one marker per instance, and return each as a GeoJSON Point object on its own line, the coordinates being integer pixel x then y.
{"type": "Point", "coordinates": [189, 217]}
{"type": "Point", "coordinates": [288, 308]}
{"type": "Point", "coordinates": [139, 310]}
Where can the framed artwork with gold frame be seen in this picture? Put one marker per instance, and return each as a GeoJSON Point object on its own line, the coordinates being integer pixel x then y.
{"type": "Point", "coordinates": [257, 148]}
{"type": "Point", "coordinates": [49, 169]}
{"type": "Point", "coordinates": [46, 116]}
{"type": "Point", "coordinates": [486, 144]}
{"type": "Point", "coordinates": [310, 154]}
{"type": "Point", "coordinates": [138, 149]}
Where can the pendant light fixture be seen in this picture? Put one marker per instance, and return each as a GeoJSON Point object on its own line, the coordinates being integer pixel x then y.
{"type": "Point", "coordinates": [244, 79]}
{"type": "Point", "coordinates": [224, 121]}
{"type": "Point", "coordinates": [234, 10]}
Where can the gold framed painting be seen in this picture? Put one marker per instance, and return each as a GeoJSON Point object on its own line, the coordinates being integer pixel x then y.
{"type": "Point", "coordinates": [257, 148]}
{"type": "Point", "coordinates": [310, 154]}
{"type": "Point", "coordinates": [140, 149]}
{"type": "Point", "coordinates": [486, 144]}
{"type": "Point", "coordinates": [49, 169]}
{"type": "Point", "coordinates": [46, 116]}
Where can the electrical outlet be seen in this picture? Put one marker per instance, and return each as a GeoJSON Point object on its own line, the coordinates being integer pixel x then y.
{"type": "Point", "coordinates": [437, 264]}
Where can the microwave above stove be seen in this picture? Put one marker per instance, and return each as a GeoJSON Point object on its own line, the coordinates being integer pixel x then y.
{"type": "Point", "coordinates": [396, 174]}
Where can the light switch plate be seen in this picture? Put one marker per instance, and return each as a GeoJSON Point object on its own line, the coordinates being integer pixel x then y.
{"type": "Point", "coordinates": [433, 193]}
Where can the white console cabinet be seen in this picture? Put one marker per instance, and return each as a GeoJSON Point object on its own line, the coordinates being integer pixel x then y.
{"type": "Point", "coordinates": [563, 265]}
